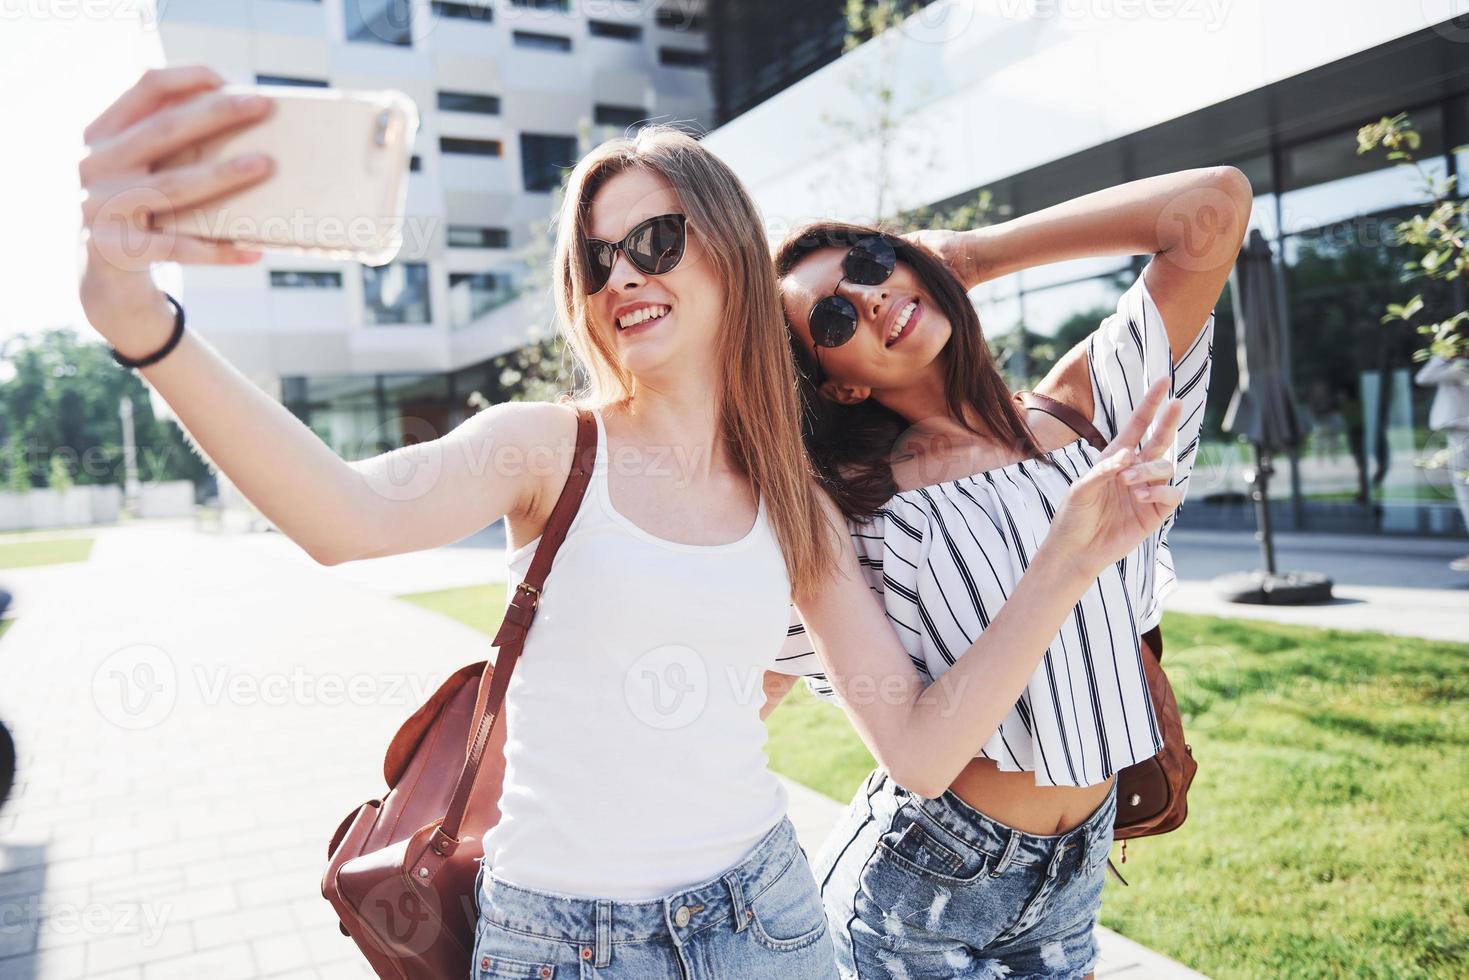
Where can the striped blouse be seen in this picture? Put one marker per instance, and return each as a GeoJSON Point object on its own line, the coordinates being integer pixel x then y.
{"type": "Point", "coordinates": [943, 558]}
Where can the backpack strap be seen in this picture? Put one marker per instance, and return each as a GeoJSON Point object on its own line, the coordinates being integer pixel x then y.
{"type": "Point", "coordinates": [510, 639]}
{"type": "Point", "coordinates": [1064, 413]}
{"type": "Point", "coordinates": [1083, 427]}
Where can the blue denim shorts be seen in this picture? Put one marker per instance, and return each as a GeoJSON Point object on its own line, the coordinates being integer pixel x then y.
{"type": "Point", "coordinates": [760, 920]}
{"type": "Point", "coordinates": [926, 889]}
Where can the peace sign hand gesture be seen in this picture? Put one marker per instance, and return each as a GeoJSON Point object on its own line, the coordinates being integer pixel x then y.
{"type": "Point", "coordinates": [1125, 498]}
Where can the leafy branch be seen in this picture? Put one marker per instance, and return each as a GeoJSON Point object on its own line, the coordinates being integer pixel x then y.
{"type": "Point", "coordinates": [1440, 236]}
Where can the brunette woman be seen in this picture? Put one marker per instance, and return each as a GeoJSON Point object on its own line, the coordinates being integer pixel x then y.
{"type": "Point", "coordinates": [951, 490]}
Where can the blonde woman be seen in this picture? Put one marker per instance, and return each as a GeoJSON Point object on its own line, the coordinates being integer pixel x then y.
{"type": "Point", "coordinates": [642, 834]}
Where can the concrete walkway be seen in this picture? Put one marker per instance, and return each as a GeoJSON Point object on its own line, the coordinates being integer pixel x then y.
{"type": "Point", "coordinates": [194, 715]}
{"type": "Point", "coordinates": [1385, 584]}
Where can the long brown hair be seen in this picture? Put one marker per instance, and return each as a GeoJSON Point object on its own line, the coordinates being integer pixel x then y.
{"type": "Point", "coordinates": [851, 445]}
{"type": "Point", "coordinates": [757, 401]}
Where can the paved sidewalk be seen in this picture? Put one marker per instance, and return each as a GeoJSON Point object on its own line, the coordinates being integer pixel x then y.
{"type": "Point", "coordinates": [1385, 584]}
{"type": "Point", "coordinates": [194, 715]}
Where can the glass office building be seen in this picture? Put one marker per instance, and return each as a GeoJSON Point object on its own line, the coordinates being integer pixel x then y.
{"type": "Point", "coordinates": [1327, 211]}
{"type": "Point", "coordinates": [1329, 216]}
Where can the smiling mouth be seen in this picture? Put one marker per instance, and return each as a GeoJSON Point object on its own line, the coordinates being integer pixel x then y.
{"type": "Point", "coordinates": [906, 320]}
{"type": "Point", "coordinates": [641, 316]}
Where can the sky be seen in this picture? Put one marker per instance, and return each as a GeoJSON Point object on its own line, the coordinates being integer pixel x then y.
{"type": "Point", "coordinates": [61, 63]}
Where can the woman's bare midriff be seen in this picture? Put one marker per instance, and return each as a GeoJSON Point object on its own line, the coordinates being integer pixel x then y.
{"type": "Point", "coordinates": [1015, 800]}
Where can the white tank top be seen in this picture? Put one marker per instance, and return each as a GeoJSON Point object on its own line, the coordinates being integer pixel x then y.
{"type": "Point", "coordinates": [635, 762]}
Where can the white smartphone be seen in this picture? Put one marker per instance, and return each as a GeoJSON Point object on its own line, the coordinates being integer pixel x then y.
{"type": "Point", "coordinates": [340, 182]}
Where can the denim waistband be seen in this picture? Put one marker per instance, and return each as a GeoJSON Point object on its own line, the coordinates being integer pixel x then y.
{"type": "Point", "coordinates": [597, 923]}
{"type": "Point", "coordinates": [1008, 844]}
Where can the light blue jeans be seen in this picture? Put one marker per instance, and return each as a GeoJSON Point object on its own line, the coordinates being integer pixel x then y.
{"type": "Point", "coordinates": [922, 889]}
{"type": "Point", "coordinates": [760, 920]}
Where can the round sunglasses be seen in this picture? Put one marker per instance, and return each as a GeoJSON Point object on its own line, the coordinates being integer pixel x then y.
{"type": "Point", "coordinates": [833, 319]}
{"type": "Point", "coordinates": [654, 246]}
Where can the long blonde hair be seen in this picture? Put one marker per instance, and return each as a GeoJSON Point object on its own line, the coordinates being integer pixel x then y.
{"type": "Point", "coordinates": [758, 403]}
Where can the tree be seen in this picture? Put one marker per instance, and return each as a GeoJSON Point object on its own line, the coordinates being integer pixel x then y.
{"type": "Point", "coordinates": [1438, 237]}
{"type": "Point", "coordinates": [1437, 240]}
{"type": "Point", "coordinates": [542, 368]}
{"type": "Point", "coordinates": [60, 405]}
{"type": "Point", "coordinates": [873, 119]}
{"type": "Point", "coordinates": [60, 477]}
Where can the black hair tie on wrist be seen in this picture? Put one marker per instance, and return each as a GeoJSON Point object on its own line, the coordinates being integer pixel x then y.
{"type": "Point", "coordinates": [158, 355]}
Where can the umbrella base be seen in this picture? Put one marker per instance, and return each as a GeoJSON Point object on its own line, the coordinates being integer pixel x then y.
{"type": "Point", "coordinates": [1279, 589]}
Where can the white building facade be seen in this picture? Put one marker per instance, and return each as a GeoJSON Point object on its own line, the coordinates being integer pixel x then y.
{"type": "Point", "coordinates": [509, 92]}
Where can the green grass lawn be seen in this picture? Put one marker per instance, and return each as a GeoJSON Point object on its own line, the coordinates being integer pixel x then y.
{"type": "Point", "coordinates": [24, 553]}
{"type": "Point", "coordinates": [480, 606]}
{"type": "Point", "coordinates": [1328, 829]}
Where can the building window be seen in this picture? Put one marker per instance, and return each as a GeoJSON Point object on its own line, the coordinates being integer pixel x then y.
{"type": "Point", "coordinates": [395, 293]}
{"type": "Point", "coordinates": [542, 42]}
{"type": "Point", "coordinates": [488, 105]}
{"type": "Point", "coordinates": [415, 163]}
{"type": "Point", "coordinates": [379, 21]}
{"type": "Point", "coordinates": [682, 58]}
{"type": "Point", "coordinates": [607, 28]}
{"type": "Point", "coordinates": [679, 20]}
{"type": "Point", "coordinates": [473, 294]}
{"type": "Point", "coordinates": [478, 148]}
{"type": "Point", "coordinates": [463, 11]}
{"type": "Point", "coordinates": [290, 80]}
{"type": "Point", "coordinates": [1322, 184]}
{"type": "Point", "coordinates": [561, 5]}
{"type": "Point", "coordinates": [475, 236]}
{"type": "Point", "coordinates": [543, 158]}
{"type": "Point", "coordinates": [293, 279]}
{"type": "Point", "coordinates": [619, 115]}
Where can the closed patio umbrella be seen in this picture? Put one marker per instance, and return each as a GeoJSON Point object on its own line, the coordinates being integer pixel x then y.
{"type": "Point", "coordinates": [1263, 413]}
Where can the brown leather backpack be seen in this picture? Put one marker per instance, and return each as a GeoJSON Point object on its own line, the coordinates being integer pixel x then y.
{"type": "Point", "coordinates": [1152, 795]}
{"type": "Point", "coordinates": [400, 872]}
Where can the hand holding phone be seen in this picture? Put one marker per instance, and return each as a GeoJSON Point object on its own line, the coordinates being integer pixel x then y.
{"type": "Point", "coordinates": [172, 174]}
{"type": "Point", "coordinates": [339, 180]}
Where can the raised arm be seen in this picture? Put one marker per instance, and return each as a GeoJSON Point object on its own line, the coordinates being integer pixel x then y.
{"type": "Point", "coordinates": [412, 498]}
{"type": "Point", "coordinates": [1192, 222]}
{"type": "Point", "coordinates": [923, 735]}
